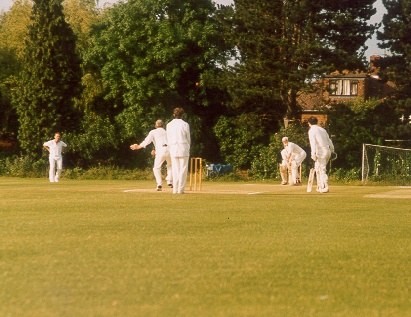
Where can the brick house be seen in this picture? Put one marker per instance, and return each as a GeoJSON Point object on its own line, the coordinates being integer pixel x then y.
{"type": "Point", "coordinates": [343, 87]}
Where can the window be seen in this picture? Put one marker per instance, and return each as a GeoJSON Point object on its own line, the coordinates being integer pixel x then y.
{"type": "Point", "coordinates": [344, 87]}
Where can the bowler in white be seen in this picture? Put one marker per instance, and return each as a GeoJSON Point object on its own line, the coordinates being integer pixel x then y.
{"type": "Point", "coordinates": [158, 137]}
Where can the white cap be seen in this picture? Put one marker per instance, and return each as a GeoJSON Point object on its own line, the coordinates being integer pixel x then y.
{"type": "Point", "coordinates": [284, 139]}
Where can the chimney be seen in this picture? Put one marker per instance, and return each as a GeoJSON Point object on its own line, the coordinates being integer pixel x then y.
{"type": "Point", "coordinates": [373, 68]}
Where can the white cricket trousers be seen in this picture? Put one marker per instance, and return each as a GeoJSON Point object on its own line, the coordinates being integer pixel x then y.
{"type": "Point", "coordinates": [53, 175]}
{"type": "Point", "coordinates": [323, 156]}
{"type": "Point", "coordinates": [179, 168]}
{"type": "Point", "coordinates": [162, 155]}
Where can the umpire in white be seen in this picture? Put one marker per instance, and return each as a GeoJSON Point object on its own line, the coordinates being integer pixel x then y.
{"type": "Point", "coordinates": [178, 135]}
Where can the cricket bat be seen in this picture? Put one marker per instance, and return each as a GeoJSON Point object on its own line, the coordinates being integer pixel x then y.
{"type": "Point", "coordinates": [311, 180]}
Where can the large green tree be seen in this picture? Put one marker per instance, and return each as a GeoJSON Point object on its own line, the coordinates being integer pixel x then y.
{"type": "Point", "coordinates": [13, 31]}
{"type": "Point", "coordinates": [395, 37]}
{"type": "Point", "coordinates": [284, 45]}
{"type": "Point", "coordinates": [154, 55]}
{"type": "Point", "coordinates": [396, 67]}
{"type": "Point", "coordinates": [50, 80]}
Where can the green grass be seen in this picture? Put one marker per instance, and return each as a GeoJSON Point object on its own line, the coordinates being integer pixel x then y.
{"type": "Point", "coordinates": [88, 248]}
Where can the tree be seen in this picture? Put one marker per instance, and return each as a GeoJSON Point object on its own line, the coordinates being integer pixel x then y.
{"type": "Point", "coordinates": [284, 45]}
{"type": "Point", "coordinates": [13, 31]}
{"type": "Point", "coordinates": [81, 15]}
{"type": "Point", "coordinates": [395, 37]}
{"type": "Point", "coordinates": [240, 140]}
{"type": "Point", "coordinates": [50, 78]}
{"type": "Point", "coordinates": [397, 66]}
{"type": "Point", "coordinates": [154, 55]}
{"type": "Point", "coordinates": [355, 123]}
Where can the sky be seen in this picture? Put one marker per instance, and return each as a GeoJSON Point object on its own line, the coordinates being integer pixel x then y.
{"type": "Point", "coordinates": [372, 44]}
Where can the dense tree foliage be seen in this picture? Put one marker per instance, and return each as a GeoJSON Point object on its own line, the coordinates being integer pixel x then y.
{"type": "Point", "coordinates": [13, 31]}
{"type": "Point", "coordinates": [284, 45]}
{"type": "Point", "coordinates": [154, 55]}
{"type": "Point", "coordinates": [241, 139]}
{"type": "Point", "coordinates": [395, 37]}
{"type": "Point", "coordinates": [81, 15]}
{"type": "Point", "coordinates": [396, 67]}
{"type": "Point", "coordinates": [50, 78]}
{"type": "Point", "coordinates": [353, 124]}
{"type": "Point", "coordinates": [104, 76]}
{"type": "Point", "coordinates": [13, 27]}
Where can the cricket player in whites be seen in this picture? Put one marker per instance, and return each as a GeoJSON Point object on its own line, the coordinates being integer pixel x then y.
{"type": "Point", "coordinates": [321, 149]}
{"type": "Point", "coordinates": [285, 168]}
{"type": "Point", "coordinates": [55, 148]}
{"type": "Point", "coordinates": [179, 139]}
{"type": "Point", "coordinates": [158, 137]}
{"type": "Point", "coordinates": [295, 156]}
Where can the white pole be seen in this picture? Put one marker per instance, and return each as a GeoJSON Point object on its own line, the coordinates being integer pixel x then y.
{"type": "Point", "coordinates": [362, 167]}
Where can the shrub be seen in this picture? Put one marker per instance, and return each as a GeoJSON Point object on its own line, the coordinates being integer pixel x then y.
{"type": "Point", "coordinates": [347, 176]}
{"type": "Point", "coordinates": [108, 173]}
{"type": "Point", "coordinates": [24, 166]}
{"type": "Point", "coordinates": [240, 138]}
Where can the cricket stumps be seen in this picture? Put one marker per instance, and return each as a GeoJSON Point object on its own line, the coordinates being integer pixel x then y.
{"type": "Point", "coordinates": [196, 168]}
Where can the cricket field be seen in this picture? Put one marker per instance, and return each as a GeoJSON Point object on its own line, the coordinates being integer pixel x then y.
{"type": "Point", "coordinates": [119, 248]}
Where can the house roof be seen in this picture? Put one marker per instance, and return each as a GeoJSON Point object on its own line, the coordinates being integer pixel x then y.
{"type": "Point", "coordinates": [348, 75]}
